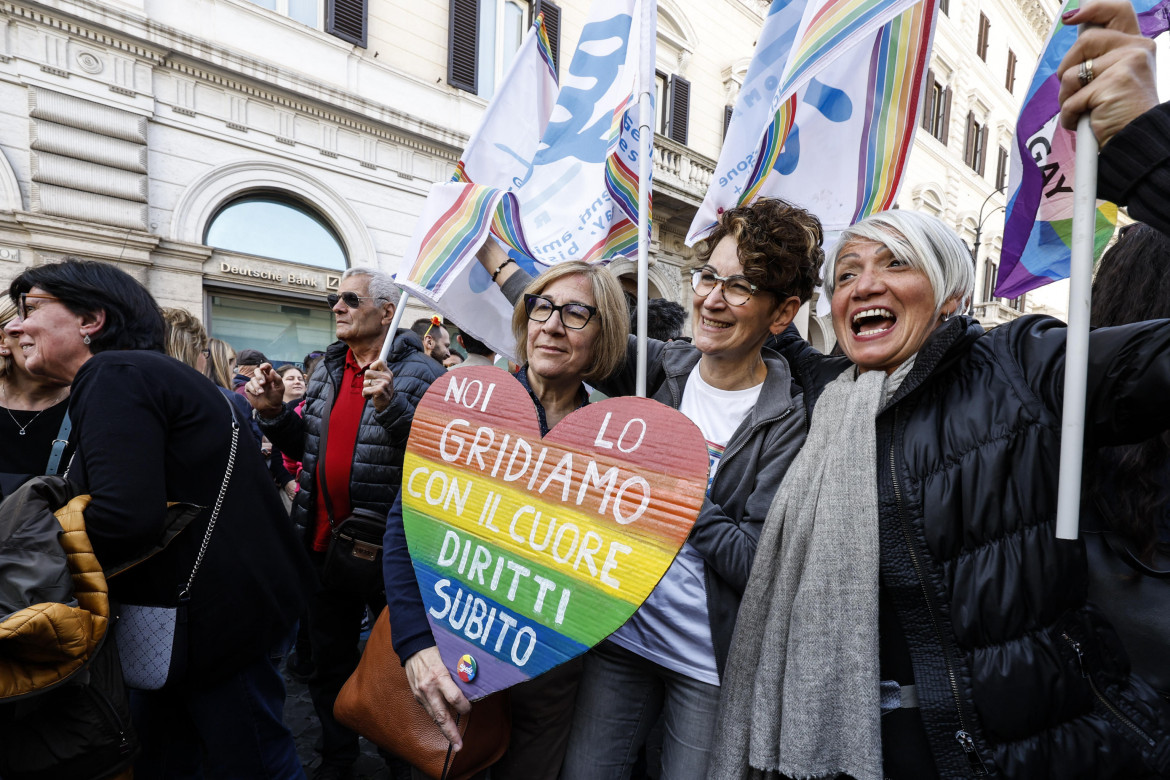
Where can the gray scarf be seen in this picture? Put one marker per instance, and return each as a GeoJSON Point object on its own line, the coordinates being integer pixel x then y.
{"type": "Point", "coordinates": [800, 692]}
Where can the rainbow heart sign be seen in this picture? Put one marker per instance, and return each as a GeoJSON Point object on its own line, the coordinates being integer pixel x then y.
{"type": "Point", "coordinates": [529, 551]}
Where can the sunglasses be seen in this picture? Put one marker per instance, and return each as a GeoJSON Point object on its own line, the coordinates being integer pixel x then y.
{"type": "Point", "coordinates": [573, 315]}
{"type": "Point", "coordinates": [22, 307]}
{"type": "Point", "coordinates": [350, 299]}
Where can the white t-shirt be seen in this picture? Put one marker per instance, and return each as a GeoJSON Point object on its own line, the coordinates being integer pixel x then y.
{"type": "Point", "coordinates": [671, 627]}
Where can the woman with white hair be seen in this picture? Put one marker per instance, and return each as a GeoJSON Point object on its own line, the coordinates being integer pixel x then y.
{"type": "Point", "coordinates": [911, 613]}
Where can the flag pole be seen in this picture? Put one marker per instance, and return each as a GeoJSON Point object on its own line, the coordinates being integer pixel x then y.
{"type": "Point", "coordinates": [1076, 362]}
{"type": "Point", "coordinates": [399, 310]}
{"type": "Point", "coordinates": [645, 145]}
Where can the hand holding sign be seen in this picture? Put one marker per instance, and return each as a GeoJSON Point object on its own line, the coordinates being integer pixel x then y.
{"type": "Point", "coordinates": [529, 551]}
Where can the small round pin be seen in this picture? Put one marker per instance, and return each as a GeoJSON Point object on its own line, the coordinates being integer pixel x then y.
{"type": "Point", "coordinates": [466, 668]}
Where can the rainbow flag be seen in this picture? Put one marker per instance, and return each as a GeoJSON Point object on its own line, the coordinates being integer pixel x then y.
{"type": "Point", "coordinates": [551, 179]}
{"type": "Point", "coordinates": [1037, 232]}
{"type": "Point", "coordinates": [799, 84]}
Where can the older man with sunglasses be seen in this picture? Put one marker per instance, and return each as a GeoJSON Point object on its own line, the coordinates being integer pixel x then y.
{"type": "Point", "coordinates": [352, 439]}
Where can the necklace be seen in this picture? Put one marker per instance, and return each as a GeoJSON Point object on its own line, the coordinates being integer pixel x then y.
{"type": "Point", "coordinates": [30, 422]}
{"type": "Point", "coordinates": [23, 428]}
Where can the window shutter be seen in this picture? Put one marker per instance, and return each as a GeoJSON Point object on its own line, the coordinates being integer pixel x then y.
{"type": "Point", "coordinates": [983, 151]}
{"type": "Point", "coordinates": [346, 19]}
{"type": "Point", "coordinates": [463, 45]}
{"type": "Point", "coordinates": [552, 26]}
{"type": "Point", "coordinates": [680, 105]}
{"type": "Point", "coordinates": [969, 141]}
{"type": "Point", "coordinates": [1001, 169]}
{"type": "Point", "coordinates": [946, 127]}
{"type": "Point", "coordinates": [990, 271]}
{"type": "Point", "coordinates": [1010, 81]}
{"type": "Point", "coordinates": [927, 108]}
{"type": "Point", "coordinates": [984, 35]}
{"type": "Point", "coordinates": [727, 112]}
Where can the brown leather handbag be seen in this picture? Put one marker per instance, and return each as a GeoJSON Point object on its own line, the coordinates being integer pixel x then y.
{"type": "Point", "coordinates": [377, 703]}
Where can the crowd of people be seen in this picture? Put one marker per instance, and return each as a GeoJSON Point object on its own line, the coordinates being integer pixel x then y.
{"type": "Point", "coordinates": [873, 587]}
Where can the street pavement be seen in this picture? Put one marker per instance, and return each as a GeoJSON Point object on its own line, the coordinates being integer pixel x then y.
{"type": "Point", "coordinates": [302, 721]}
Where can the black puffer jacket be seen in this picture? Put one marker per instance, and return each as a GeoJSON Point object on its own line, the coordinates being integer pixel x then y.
{"type": "Point", "coordinates": [1015, 673]}
{"type": "Point", "coordinates": [377, 458]}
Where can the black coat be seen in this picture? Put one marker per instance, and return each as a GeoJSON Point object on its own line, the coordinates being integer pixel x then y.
{"type": "Point", "coordinates": [1134, 168]}
{"type": "Point", "coordinates": [376, 475]}
{"type": "Point", "coordinates": [992, 606]}
{"type": "Point", "coordinates": [151, 430]}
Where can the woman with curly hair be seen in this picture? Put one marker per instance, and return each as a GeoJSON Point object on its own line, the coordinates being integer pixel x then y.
{"type": "Point", "coordinates": [759, 265]}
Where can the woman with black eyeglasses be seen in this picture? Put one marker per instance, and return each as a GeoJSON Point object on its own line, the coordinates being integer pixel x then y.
{"type": "Point", "coordinates": [571, 326]}
{"type": "Point", "coordinates": [759, 265]}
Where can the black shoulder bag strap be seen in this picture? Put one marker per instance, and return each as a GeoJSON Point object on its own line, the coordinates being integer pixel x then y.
{"type": "Point", "coordinates": [330, 398]}
{"type": "Point", "coordinates": [59, 445]}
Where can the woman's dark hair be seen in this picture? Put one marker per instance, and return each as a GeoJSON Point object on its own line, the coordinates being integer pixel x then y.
{"type": "Point", "coordinates": [133, 320]}
{"type": "Point", "coordinates": [1133, 285]}
{"type": "Point", "coordinates": [778, 243]}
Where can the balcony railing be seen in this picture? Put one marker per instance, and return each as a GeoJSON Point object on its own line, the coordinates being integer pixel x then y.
{"type": "Point", "coordinates": [995, 313]}
{"type": "Point", "coordinates": [680, 171]}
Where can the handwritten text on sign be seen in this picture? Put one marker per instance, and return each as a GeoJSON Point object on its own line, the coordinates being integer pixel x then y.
{"type": "Point", "coordinates": [529, 551]}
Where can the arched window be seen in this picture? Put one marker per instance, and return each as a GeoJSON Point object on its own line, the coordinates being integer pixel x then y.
{"type": "Point", "coordinates": [276, 226]}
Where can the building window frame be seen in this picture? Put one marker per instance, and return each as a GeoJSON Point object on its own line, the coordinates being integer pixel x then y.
{"type": "Point", "coordinates": [975, 144]}
{"type": "Point", "coordinates": [288, 9]}
{"type": "Point", "coordinates": [990, 272]}
{"type": "Point", "coordinates": [473, 31]}
{"type": "Point", "coordinates": [936, 108]}
{"type": "Point", "coordinates": [1002, 166]}
{"type": "Point", "coordinates": [494, 50]}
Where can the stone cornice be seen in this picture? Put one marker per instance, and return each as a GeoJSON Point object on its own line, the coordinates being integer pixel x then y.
{"type": "Point", "coordinates": [178, 51]}
{"type": "Point", "coordinates": [439, 141]}
{"type": "Point", "coordinates": [86, 30]}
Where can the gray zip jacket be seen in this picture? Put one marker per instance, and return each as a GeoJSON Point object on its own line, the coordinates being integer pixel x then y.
{"type": "Point", "coordinates": [750, 471]}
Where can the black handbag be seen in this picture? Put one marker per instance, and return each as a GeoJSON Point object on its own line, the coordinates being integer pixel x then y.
{"type": "Point", "coordinates": [353, 561]}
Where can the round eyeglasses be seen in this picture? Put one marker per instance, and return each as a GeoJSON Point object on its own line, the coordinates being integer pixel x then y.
{"type": "Point", "coordinates": [736, 288]}
{"type": "Point", "coordinates": [573, 315]}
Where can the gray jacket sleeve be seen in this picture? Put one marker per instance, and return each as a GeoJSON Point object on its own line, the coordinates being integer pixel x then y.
{"type": "Point", "coordinates": [729, 545]}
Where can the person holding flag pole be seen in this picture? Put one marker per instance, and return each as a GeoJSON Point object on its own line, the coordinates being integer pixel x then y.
{"type": "Point", "coordinates": [912, 613]}
{"type": "Point", "coordinates": [757, 269]}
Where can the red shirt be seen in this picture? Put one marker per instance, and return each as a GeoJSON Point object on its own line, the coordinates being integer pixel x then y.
{"type": "Point", "coordinates": [344, 421]}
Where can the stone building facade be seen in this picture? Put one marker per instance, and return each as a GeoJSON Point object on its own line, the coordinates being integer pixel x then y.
{"type": "Point", "coordinates": [237, 155]}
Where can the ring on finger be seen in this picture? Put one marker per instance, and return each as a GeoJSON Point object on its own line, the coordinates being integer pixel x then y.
{"type": "Point", "coordinates": [1085, 73]}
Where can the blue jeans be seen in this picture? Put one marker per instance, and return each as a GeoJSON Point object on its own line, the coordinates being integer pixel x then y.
{"type": "Point", "coordinates": [620, 697]}
{"type": "Point", "coordinates": [229, 729]}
